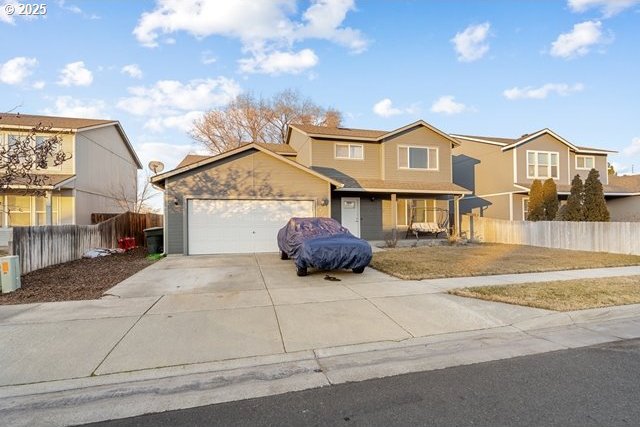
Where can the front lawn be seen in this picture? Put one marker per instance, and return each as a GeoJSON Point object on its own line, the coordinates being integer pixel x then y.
{"type": "Point", "coordinates": [562, 295]}
{"type": "Point", "coordinates": [77, 280]}
{"type": "Point", "coordinates": [431, 262]}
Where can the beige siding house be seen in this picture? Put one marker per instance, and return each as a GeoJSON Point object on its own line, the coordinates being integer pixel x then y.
{"type": "Point", "coordinates": [371, 181]}
{"type": "Point", "coordinates": [500, 171]}
{"type": "Point", "coordinates": [102, 169]}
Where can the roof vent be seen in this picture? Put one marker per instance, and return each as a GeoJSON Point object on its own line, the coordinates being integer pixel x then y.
{"type": "Point", "coordinates": [525, 135]}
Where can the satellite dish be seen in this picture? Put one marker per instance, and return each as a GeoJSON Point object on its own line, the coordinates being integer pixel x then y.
{"type": "Point", "coordinates": [156, 166]}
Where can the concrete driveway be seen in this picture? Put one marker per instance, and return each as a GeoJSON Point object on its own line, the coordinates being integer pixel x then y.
{"type": "Point", "coordinates": [187, 310]}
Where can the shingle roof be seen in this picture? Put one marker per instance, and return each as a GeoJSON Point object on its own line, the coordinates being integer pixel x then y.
{"type": "Point", "coordinates": [388, 185]}
{"type": "Point", "coordinates": [505, 141]}
{"type": "Point", "coordinates": [52, 180]}
{"type": "Point", "coordinates": [333, 131]}
{"type": "Point", "coordinates": [282, 149]}
{"type": "Point", "coordinates": [29, 120]}
{"type": "Point", "coordinates": [630, 182]}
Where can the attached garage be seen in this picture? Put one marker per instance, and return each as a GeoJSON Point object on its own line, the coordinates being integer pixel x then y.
{"type": "Point", "coordinates": [237, 201]}
{"type": "Point", "coordinates": [239, 226]}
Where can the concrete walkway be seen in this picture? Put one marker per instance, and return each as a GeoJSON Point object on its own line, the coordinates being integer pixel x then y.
{"type": "Point", "coordinates": [196, 330]}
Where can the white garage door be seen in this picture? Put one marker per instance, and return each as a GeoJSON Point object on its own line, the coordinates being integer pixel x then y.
{"type": "Point", "coordinates": [238, 226]}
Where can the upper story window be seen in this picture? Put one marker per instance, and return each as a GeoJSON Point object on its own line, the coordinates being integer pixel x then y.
{"type": "Point", "coordinates": [585, 162]}
{"type": "Point", "coordinates": [542, 164]}
{"type": "Point", "coordinates": [12, 140]}
{"type": "Point", "coordinates": [349, 151]}
{"type": "Point", "coordinates": [420, 158]}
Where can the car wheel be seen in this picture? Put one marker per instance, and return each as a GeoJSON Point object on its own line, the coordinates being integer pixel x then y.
{"type": "Point", "coordinates": [302, 271]}
{"type": "Point", "coordinates": [358, 270]}
{"type": "Point", "coordinates": [283, 255]}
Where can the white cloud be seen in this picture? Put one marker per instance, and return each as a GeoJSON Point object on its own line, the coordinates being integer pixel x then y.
{"type": "Point", "coordinates": [174, 104]}
{"type": "Point", "coordinates": [543, 91]}
{"type": "Point", "coordinates": [75, 74]}
{"type": "Point", "coordinates": [633, 148]}
{"type": "Point", "coordinates": [471, 44]}
{"type": "Point", "coordinates": [167, 96]}
{"type": "Point", "coordinates": [267, 29]}
{"type": "Point", "coordinates": [207, 57]}
{"type": "Point", "coordinates": [578, 41]}
{"type": "Point", "coordinates": [182, 122]}
{"type": "Point", "coordinates": [447, 105]}
{"type": "Point", "coordinates": [385, 108]}
{"type": "Point", "coordinates": [277, 62]}
{"type": "Point", "coordinates": [40, 84]}
{"type": "Point", "coordinates": [68, 106]}
{"type": "Point", "coordinates": [132, 70]}
{"type": "Point", "coordinates": [608, 7]}
{"type": "Point", "coordinates": [17, 69]}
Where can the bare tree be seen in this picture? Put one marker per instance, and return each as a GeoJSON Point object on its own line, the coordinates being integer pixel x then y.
{"type": "Point", "coordinates": [26, 157]}
{"type": "Point", "coordinates": [250, 119]}
{"type": "Point", "coordinates": [138, 203]}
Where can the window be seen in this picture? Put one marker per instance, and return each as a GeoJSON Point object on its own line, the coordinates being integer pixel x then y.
{"type": "Point", "coordinates": [19, 208]}
{"type": "Point", "coordinates": [525, 208]}
{"type": "Point", "coordinates": [585, 162]}
{"type": "Point", "coordinates": [41, 210]}
{"type": "Point", "coordinates": [51, 157]}
{"type": "Point", "coordinates": [542, 164]}
{"type": "Point", "coordinates": [421, 158]}
{"type": "Point", "coordinates": [349, 151]}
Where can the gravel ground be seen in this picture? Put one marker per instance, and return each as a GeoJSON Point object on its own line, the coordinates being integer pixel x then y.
{"type": "Point", "coordinates": [77, 280]}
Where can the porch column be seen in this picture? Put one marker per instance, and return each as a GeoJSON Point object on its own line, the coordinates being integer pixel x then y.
{"type": "Point", "coordinates": [394, 217]}
{"type": "Point", "coordinates": [48, 210]}
{"type": "Point", "coordinates": [456, 214]}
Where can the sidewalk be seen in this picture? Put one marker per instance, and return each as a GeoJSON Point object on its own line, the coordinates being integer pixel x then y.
{"type": "Point", "coordinates": [61, 376]}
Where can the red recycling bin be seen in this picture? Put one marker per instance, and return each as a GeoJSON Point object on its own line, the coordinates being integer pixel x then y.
{"type": "Point", "coordinates": [127, 243]}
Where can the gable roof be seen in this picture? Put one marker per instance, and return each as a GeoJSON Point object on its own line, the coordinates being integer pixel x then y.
{"type": "Point", "coordinates": [509, 143]}
{"type": "Point", "coordinates": [363, 134]}
{"type": "Point", "coordinates": [65, 124]}
{"type": "Point", "coordinates": [159, 179]}
{"type": "Point", "coordinates": [282, 149]}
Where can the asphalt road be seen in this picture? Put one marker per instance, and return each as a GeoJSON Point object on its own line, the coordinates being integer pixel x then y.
{"type": "Point", "coordinates": [597, 386]}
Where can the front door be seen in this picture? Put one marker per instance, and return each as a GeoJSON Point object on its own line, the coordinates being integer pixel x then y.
{"type": "Point", "coordinates": [351, 214]}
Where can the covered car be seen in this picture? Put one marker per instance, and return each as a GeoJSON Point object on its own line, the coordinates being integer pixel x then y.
{"type": "Point", "coordinates": [322, 243]}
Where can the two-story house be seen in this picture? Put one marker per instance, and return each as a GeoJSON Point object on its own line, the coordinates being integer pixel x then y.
{"type": "Point", "coordinates": [101, 172]}
{"type": "Point", "coordinates": [371, 181]}
{"type": "Point", "coordinates": [500, 171]}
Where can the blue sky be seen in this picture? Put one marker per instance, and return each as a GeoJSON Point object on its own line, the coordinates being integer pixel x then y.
{"type": "Point", "coordinates": [499, 68]}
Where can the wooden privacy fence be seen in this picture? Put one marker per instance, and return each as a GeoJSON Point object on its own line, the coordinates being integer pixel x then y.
{"type": "Point", "coordinates": [42, 246]}
{"type": "Point", "coordinates": [615, 237]}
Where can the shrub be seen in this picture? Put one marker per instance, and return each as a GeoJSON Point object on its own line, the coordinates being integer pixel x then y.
{"type": "Point", "coordinates": [595, 207]}
{"type": "Point", "coordinates": [536, 206]}
{"type": "Point", "coordinates": [550, 200]}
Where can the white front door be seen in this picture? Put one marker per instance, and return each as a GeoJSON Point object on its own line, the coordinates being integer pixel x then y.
{"type": "Point", "coordinates": [351, 214]}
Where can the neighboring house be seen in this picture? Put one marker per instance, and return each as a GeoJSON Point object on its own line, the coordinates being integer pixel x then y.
{"type": "Point", "coordinates": [500, 171]}
{"type": "Point", "coordinates": [102, 169]}
{"type": "Point", "coordinates": [367, 179]}
{"type": "Point", "coordinates": [625, 208]}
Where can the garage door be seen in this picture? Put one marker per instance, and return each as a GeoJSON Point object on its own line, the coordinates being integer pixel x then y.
{"type": "Point", "coordinates": [238, 226]}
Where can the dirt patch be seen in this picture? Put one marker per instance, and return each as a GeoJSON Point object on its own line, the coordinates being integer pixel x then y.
{"type": "Point", "coordinates": [562, 295]}
{"type": "Point", "coordinates": [487, 259]}
{"type": "Point", "coordinates": [77, 280]}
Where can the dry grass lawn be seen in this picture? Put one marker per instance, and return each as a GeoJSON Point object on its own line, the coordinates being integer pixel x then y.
{"type": "Point", "coordinates": [562, 295]}
{"type": "Point", "coordinates": [488, 258]}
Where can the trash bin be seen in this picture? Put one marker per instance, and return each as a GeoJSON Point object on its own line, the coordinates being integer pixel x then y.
{"type": "Point", "coordinates": [154, 238]}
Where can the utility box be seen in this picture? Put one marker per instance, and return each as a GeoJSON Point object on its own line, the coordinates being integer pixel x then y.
{"type": "Point", "coordinates": [9, 273]}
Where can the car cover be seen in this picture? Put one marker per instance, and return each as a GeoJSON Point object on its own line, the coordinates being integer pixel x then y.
{"type": "Point", "coordinates": [324, 244]}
